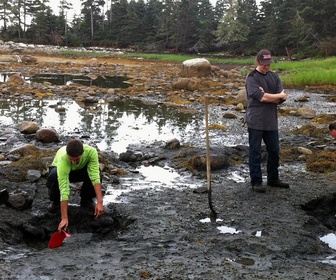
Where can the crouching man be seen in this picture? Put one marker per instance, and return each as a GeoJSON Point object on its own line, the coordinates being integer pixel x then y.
{"type": "Point", "coordinates": [75, 162]}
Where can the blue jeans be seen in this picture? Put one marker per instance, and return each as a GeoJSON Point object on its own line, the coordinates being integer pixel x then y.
{"type": "Point", "coordinates": [271, 140]}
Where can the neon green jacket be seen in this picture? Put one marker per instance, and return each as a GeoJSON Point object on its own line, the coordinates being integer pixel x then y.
{"type": "Point", "coordinates": [64, 166]}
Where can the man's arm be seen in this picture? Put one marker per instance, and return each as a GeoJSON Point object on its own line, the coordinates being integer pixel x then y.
{"type": "Point", "coordinates": [99, 209]}
{"type": "Point", "coordinates": [64, 216]}
{"type": "Point", "coordinates": [274, 98]}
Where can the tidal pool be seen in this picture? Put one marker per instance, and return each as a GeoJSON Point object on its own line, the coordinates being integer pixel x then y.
{"type": "Point", "coordinates": [67, 79]}
{"type": "Point", "coordinates": [112, 126]}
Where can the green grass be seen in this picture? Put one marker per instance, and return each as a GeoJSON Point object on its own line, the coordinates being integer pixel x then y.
{"type": "Point", "coordinates": [312, 72]}
{"type": "Point", "coordinates": [183, 57]}
{"type": "Point", "coordinates": [293, 73]}
{"type": "Point", "coordinates": [307, 73]}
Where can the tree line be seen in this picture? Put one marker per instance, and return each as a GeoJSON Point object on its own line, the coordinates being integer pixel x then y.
{"type": "Point", "coordinates": [239, 27]}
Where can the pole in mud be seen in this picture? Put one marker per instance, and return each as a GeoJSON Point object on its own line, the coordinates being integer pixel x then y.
{"type": "Point", "coordinates": [213, 214]}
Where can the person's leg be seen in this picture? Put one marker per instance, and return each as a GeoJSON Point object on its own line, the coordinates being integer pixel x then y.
{"type": "Point", "coordinates": [271, 140]}
{"type": "Point", "coordinates": [255, 138]}
{"type": "Point", "coordinates": [87, 189]}
{"type": "Point", "coordinates": [52, 184]}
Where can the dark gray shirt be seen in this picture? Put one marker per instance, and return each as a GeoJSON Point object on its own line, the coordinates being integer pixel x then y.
{"type": "Point", "coordinates": [262, 115]}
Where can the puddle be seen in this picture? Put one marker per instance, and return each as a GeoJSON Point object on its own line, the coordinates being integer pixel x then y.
{"type": "Point", "coordinates": [222, 229]}
{"type": "Point", "coordinates": [114, 125]}
{"type": "Point", "coordinates": [208, 220]}
{"type": "Point", "coordinates": [160, 175]}
{"type": "Point", "coordinates": [329, 260]}
{"type": "Point", "coordinates": [258, 233]}
{"type": "Point", "coordinates": [230, 230]}
{"type": "Point", "coordinates": [330, 239]}
{"type": "Point", "coordinates": [150, 177]}
{"type": "Point", "coordinates": [237, 177]}
{"type": "Point", "coordinates": [65, 79]}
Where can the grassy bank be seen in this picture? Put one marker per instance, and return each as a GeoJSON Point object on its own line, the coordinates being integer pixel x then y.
{"type": "Point", "coordinates": [308, 73]}
{"type": "Point", "coordinates": [312, 72]}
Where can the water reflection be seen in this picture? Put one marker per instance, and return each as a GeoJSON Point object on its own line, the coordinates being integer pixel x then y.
{"type": "Point", "coordinates": [152, 177]}
{"type": "Point", "coordinates": [111, 125]}
{"type": "Point", "coordinates": [66, 79]}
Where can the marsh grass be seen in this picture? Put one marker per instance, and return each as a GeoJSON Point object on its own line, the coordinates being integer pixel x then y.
{"type": "Point", "coordinates": [183, 57]}
{"type": "Point", "coordinates": [312, 72]}
{"type": "Point", "coordinates": [307, 73]}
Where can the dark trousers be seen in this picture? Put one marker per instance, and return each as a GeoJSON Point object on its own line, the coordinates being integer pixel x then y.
{"type": "Point", "coordinates": [271, 140]}
{"type": "Point", "coordinates": [81, 175]}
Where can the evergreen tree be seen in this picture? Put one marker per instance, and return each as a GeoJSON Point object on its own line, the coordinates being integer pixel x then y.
{"type": "Point", "coordinates": [119, 19]}
{"type": "Point", "coordinates": [92, 17]}
{"type": "Point", "coordinates": [248, 15]}
{"type": "Point", "coordinates": [5, 13]}
{"type": "Point", "coordinates": [204, 38]}
{"type": "Point", "coordinates": [230, 29]}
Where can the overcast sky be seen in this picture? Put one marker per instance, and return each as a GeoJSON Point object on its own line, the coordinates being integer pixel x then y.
{"type": "Point", "coordinates": [76, 4]}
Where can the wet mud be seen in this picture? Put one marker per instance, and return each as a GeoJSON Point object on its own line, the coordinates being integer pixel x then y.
{"type": "Point", "coordinates": [166, 233]}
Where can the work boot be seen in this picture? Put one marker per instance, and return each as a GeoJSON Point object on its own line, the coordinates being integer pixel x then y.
{"type": "Point", "coordinates": [278, 184]}
{"type": "Point", "coordinates": [54, 207]}
{"type": "Point", "coordinates": [258, 187]}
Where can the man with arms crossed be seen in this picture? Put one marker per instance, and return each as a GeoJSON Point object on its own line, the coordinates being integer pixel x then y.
{"type": "Point", "coordinates": [264, 93]}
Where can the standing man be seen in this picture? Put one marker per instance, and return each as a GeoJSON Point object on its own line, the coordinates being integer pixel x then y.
{"type": "Point", "coordinates": [264, 93]}
{"type": "Point", "coordinates": [75, 162]}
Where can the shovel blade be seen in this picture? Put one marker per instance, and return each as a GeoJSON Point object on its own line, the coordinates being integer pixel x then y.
{"type": "Point", "coordinates": [57, 238]}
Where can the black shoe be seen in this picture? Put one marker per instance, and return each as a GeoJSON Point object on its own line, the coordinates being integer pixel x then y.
{"type": "Point", "coordinates": [258, 187]}
{"type": "Point", "coordinates": [53, 207]}
{"type": "Point", "coordinates": [87, 203]}
{"type": "Point", "coordinates": [278, 184]}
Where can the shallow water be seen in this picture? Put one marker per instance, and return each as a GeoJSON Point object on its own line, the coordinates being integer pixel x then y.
{"type": "Point", "coordinates": [65, 79]}
{"type": "Point", "coordinates": [111, 126]}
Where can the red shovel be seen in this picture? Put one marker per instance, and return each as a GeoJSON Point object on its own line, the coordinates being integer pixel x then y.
{"type": "Point", "coordinates": [57, 238]}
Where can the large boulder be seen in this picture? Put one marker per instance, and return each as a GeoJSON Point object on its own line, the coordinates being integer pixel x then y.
{"type": "Point", "coordinates": [25, 150]}
{"type": "Point", "coordinates": [28, 127]}
{"type": "Point", "coordinates": [197, 67]}
{"type": "Point", "coordinates": [16, 79]}
{"type": "Point", "coordinates": [47, 135]}
{"type": "Point", "coordinates": [93, 62]}
{"type": "Point", "coordinates": [28, 59]}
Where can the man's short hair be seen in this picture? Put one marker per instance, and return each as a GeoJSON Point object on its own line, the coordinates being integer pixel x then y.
{"type": "Point", "coordinates": [74, 148]}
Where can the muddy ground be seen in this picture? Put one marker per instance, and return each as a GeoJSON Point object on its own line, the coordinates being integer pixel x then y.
{"type": "Point", "coordinates": [163, 235]}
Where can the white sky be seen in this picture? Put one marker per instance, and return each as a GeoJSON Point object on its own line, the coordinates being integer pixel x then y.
{"type": "Point", "coordinates": [76, 4]}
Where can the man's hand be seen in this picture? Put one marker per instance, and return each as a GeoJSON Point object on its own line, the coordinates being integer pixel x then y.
{"type": "Point", "coordinates": [63, 225]}
{"type": "Point", "coordinates": [283, 96]}
{"type": "Point", "coordinates": [99, 209]}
